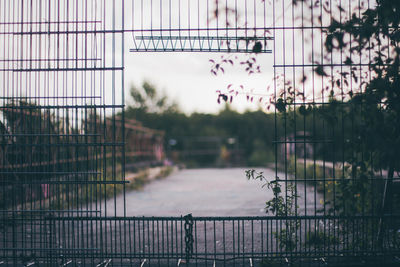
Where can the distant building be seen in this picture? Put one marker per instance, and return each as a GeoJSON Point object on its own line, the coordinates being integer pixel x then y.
{"type": "Point", "coordinates": [299, 144]}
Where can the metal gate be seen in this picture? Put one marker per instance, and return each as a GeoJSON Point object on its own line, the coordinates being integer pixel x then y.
{"type": "Point", "coordinates": [64, 137]}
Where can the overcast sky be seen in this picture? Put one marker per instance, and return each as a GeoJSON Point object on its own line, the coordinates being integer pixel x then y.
{"type": "Point", "coordinates": [186, 78]}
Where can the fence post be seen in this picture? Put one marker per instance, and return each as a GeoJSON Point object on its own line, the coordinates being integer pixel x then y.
{"type": "Point", "coordinates": [188, 236]}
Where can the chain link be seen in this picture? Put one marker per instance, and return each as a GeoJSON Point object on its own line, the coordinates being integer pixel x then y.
{"type": "Point", "coordinates": [188, 236]}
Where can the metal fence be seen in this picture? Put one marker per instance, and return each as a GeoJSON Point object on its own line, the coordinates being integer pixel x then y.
{"type": "Point", "coordinates": [61, 106]}
{"type": "Point", "coordinates": [242, 241]}
{"type": "Point", "coordinates": [63, 135]}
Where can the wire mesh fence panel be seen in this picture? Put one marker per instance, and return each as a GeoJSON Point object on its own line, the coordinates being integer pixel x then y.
{"type": "Point", "coordinates": [61, 65]}
{"type": "Point", "coordinates": [240, 241]}
{"type": "Point", "coordinates": [330, 134]}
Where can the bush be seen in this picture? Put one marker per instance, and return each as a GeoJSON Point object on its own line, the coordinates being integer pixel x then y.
{"type": "Point", "coordinates": [261, 154]}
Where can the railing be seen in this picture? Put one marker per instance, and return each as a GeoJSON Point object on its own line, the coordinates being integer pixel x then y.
{"type": "Point", "coordinates": [87, 238]}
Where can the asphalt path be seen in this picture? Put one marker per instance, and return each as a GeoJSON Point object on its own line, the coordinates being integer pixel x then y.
{"type": "Point", "coordinates": [204, 192]}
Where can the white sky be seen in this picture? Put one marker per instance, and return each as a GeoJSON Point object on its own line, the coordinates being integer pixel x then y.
{"type": "Point", "coordinates": [186, 78]}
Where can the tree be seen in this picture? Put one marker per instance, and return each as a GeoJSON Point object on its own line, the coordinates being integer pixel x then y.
{"type": "Point", "coordinates": [372, 33]}
{"type": "Point", "coordinates": [364, 100]}
{"type": "Point", "coordinates": [147, 99]}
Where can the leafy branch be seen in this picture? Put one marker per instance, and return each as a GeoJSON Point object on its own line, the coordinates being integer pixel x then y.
{"type": "Point", "coordinates": [281, 205]}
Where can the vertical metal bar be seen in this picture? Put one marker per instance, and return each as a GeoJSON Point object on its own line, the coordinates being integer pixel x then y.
{"type": "Point", "coordinates": [233, 241]}
{"type": "Point", "coordinates": [205, 239]}
{"type": "Point", "coordinates": [243, 242]}
{"type": "Point", "coordinates": [214, 241]}
{"type": "Point", "coordinates": [223, 240]}
{"type": "Point", "coordinates": [196, 253]}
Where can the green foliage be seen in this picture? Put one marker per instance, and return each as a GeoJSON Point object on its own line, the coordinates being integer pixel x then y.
{"type": "Point", "coordinates": [304, 171]}
{"type": "Point", "coordinates": [165, 172]}
{"type": "Point", "coordinates": [374, 110]}
{"type": "Point", "coordinates": [353, 192]}
{"type": "Point", "coordinates": [138, 182]}
{"type": "Point", "coordinates": [319, 239]}
{"type": "Point", "coordinates": [253, 130]}
{"type": "Point", "coordinates": [367, 112]}
{"type": "Point", "coordinates": [282, 204]}
{"type": "Point", "coordinates": [370, 115]}
{"type": "Point", "coordinates": [147, 99]}
{"type": "Point", "coordinates": [261, 154]}
{"type": "Point", "coordinates": [377, 106]}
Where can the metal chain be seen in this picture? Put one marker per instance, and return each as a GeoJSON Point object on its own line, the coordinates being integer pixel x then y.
{"type": "Point", "coordinates": [188, 236]}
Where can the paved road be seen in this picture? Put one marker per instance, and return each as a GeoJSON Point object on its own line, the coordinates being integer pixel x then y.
{"type": "Point", "coordinates": [202, 192]}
